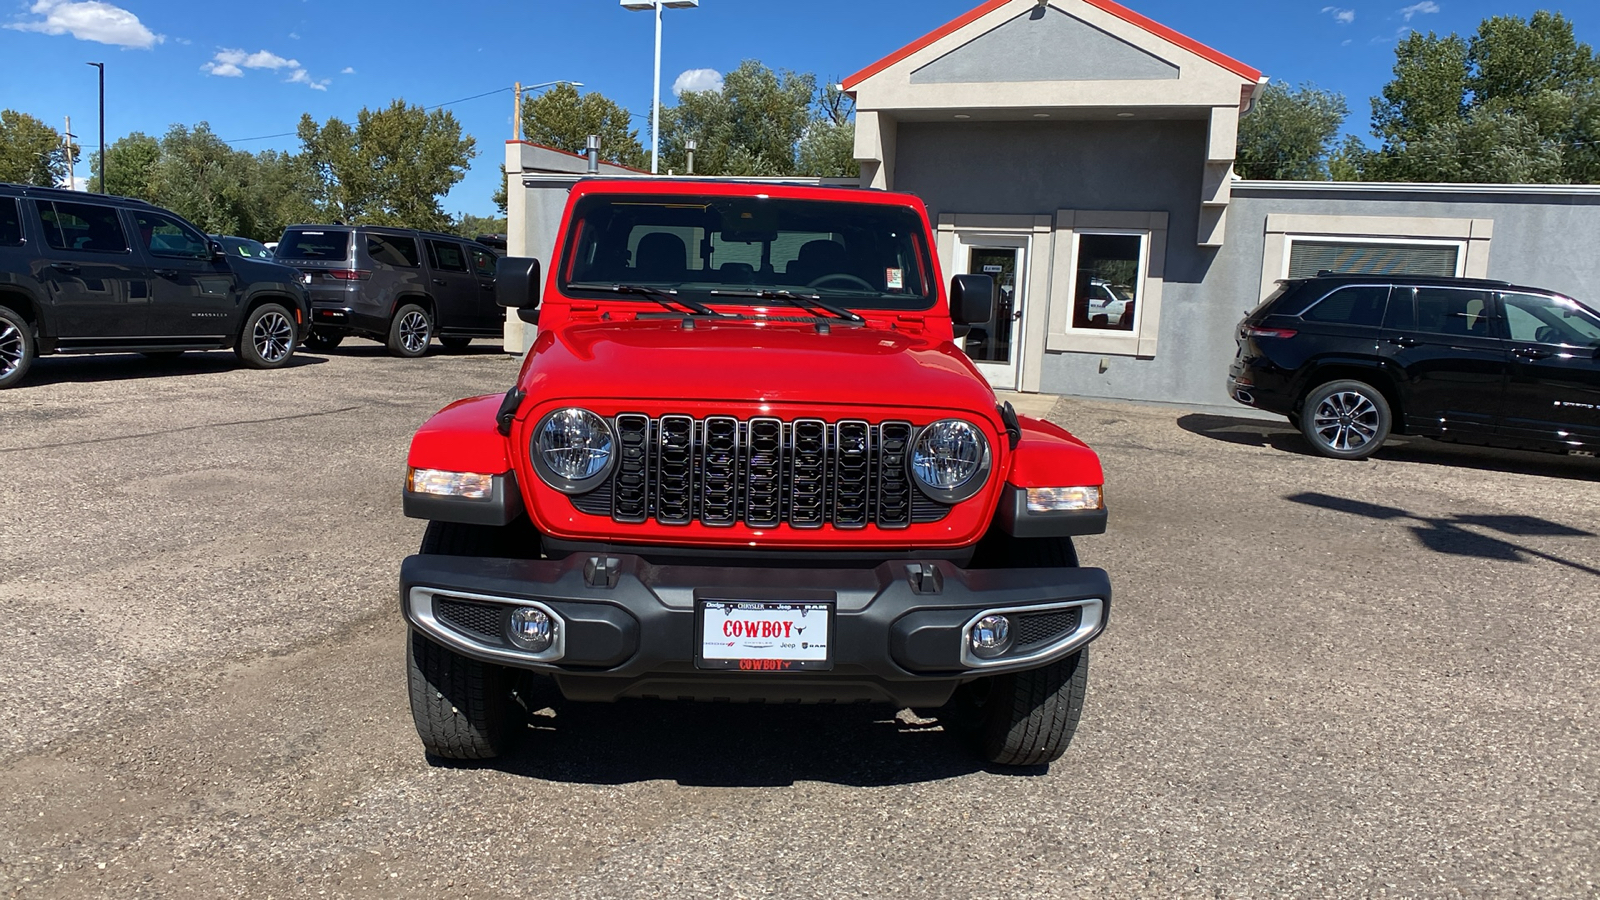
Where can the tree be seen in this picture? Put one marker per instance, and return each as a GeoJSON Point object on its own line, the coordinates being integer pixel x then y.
{"type": "Point", "coordinates": [392, 168]}
{"type": "Point", "coordinates": [750, 127]}
{"type": "Point", "coordinates": [562, 118]}
{"type": "Point", "coordinates": [204, 180]}
{"type": "Point", "coordinates": [32, 152]}
{"type": "Point", "coordinates": [1289, 133]}
{"type": "Point", "coordinates": [131, 161]}
{"type": "Point", "coordinates": [470, 226]}
{"type": "Point", "coordinates": [828, 146]}
{"type": "Point", "coordinates": [1517, 102]}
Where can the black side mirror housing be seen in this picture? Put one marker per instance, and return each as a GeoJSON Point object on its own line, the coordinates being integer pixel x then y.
{"type": "Point", "coordinates": [516, 286]}
{"type": "Point", "coordinates": [216, 249]}
{"type": "Point", "coordinates": [971, 299]}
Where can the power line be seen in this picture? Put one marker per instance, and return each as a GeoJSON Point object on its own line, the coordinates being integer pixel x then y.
{"type": "Point", "coordinates": [265, 137]}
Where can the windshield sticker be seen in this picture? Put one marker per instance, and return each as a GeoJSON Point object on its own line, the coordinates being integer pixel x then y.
{"type": "Point", "coordinates": [894, 279]}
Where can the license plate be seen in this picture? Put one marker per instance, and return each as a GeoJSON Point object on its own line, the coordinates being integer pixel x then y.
{"type": "Point", "coordinates": [765, 635]}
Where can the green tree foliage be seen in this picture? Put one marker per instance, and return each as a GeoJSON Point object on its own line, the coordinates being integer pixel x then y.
{"type": "Point", "coordinates": [1289, 133]}
{"type": "Point", "coordinates": [32, 152]}
{"type": "Point", "coordinates": [470, 226]}
{"type": "Point", "coordinates": [391, 168]}
{"type": "Point", "coordinates": [562, 118]}
{"type": "Point", "coordinates": [1517, 102]}
{"type": "Point", "coordinates": [828, 146]}
{"type": "Point", "coordinates": [131, 166]}
{"type": "Point", "coordinates": [750, 127]}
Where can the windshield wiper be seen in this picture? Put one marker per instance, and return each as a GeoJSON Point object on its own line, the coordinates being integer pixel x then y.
{"type": "Point", "coordinates": [804, 301]}
{"type": "Point", "coordinates": [664, 297]}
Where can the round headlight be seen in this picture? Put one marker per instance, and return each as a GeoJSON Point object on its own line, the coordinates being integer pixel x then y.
{"type": "Point", "coordinates": [573, 450]}
{"type": "Point", "coordinates": [950, 460]}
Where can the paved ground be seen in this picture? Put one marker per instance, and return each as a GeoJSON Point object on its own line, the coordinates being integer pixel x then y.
{"type": "Point", "coordinates": [1321, 679]}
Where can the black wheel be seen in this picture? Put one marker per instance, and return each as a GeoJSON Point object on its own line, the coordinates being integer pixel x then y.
{"type": "Point", "coordinates": [455, 344]}
{"type": "Point", "coordinates": [1027, 718]}
{"type": "Point", "coordinates": [321, 340]}
{"type": "Point", "coordinates": [17, 349]}
{"type": "Point", "coordinates": [1345, 419]}
{"type": "Point", "coordinates": [268, 337]}
{"type": "Point", "coordinates": [463, 708]}
{"type": "Point", "coordinates": [410, 331]}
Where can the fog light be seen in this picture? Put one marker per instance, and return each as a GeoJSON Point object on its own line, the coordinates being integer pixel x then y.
{"type": "Point", "coordinates": [990, 636]}
{"type": "Point", "coordinates": [532, 629]}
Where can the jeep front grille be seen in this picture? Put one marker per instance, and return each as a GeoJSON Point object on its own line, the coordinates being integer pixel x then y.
{"type": "Point", "coordinates": [764, 472]}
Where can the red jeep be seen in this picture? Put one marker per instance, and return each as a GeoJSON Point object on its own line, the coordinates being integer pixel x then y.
{"type": "Point", "coordinates": [746, 460]}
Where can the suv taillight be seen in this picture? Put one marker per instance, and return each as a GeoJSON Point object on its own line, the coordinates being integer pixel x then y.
{"type": "Point", "coordinates": [1256, 331]}
{"type": "Point", "coordinates": [348, 274]}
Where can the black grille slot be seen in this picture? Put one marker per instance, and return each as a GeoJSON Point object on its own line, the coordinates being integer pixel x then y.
{"type": "Point", "coordinates": [1042, 628]}
{"type": "Point", "coordinates": [808, 488]}
{"type": "Point", "coordinates": [483, 621]}
{"type": "Point", "coordinates": [721, 471]}
{"type": "Point", "coordinates": [894, 485]}
{"type": "Point", "coordinates": [632, 481]}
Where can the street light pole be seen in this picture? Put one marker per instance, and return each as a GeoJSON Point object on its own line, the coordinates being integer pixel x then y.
{"type": "Point", "coordinates": [102, 67]}
{"type": "Point", "coordinates": [655, 97]}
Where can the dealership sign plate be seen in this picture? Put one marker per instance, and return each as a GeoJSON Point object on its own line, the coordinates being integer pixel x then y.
{"type": "Point", "coordinates": [765, 635]}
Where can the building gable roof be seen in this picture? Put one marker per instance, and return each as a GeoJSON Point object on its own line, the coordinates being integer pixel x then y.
{"type": "Point", "coordinates": [1148, 25]}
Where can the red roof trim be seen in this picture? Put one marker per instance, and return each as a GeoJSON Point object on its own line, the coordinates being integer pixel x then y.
{"type": "Point", "coordinates": [1109, 6]}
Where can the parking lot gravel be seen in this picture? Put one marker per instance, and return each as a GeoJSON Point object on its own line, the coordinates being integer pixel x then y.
{"type": "Point", "coordinates": [1320, 679]}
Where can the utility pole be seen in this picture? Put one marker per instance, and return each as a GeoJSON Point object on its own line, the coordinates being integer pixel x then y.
{"type": "Point", "coordinates": [102, 67]}
{"type": "Point", "coordinates": [66, 142]}
{"type": "Point", "coordinates": [516, 114]}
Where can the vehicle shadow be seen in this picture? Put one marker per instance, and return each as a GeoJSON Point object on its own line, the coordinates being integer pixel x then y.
{"type": "Point", "coordinates": [362, 347]}
{"type": "Point", "coordinates": [733, 745]}
{"type": "Point", "coordinates": [1453, 534]}
{"type": "Point", "coordinates": [1280, 435]}
{"type": "Point", "coordinates": [88, 369]}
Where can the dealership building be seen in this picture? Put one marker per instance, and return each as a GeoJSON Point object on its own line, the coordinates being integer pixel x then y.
{"type": "Point", "coordinates": [1082, 154]}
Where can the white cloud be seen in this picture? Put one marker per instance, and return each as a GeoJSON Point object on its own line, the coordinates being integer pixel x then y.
{"type": "Point", "coordinates": [1426, 7]}
{"type": "Point", "coordinates": [697, 80]}
{"type": "Point", "coordinates": [294, 36]}
{"type": "Point", "coordinates": [347, 70]}
{"type": "Point", "coordinates": [231, 63]}
{"type": "Point", "coordinates": [299, 76]}
{"type": "Point", "coordinates": [1342, 16]}
{"type": "Point", "coordinates": [224, 70]}
{"type": "Point", "coordinates": [90, 20]}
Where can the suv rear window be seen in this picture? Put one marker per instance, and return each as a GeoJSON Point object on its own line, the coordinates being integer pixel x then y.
{"type": "Point", "coordinates": [83, 226]}
{"type": "Point", "coordinates": [393, 250]}
{"type": "Point", "coordinates": [299, 243]}
{"type": "Point", "coordinates": [1350, 306]}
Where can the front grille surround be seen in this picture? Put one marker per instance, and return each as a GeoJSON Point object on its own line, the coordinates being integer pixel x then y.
{"type": "Point", "coordinates": [762, 472]}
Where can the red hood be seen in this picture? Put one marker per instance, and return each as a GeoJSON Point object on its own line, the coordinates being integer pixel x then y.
{"type": "Point", "coordinates": [746, 361]}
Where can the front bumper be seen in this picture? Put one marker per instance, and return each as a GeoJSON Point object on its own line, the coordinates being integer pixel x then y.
{"type": "Point", "coordinates": [628, 627]}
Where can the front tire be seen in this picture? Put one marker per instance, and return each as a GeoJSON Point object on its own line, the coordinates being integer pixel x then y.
{"type": "Point", "coordinates": [321, 340]}
{"type": "Point", "coordinates": [410, 331]}
{"type": "Point", "coordinates": [463, 708]}
{"type": "Point", "coordinates": [17, 349]}
{"type": "Point", "coordinates": [1346, 419]}
{"type": "Point", "coordinates": [1029, 718]}
{"type": "Point", "coordinates": [268, 337]}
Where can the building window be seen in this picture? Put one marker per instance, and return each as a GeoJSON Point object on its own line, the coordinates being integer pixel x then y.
{"type": "Point", "coordinates": [1109, 275]}
{"type": "Point", "coordinates": [1106, 280]}
{"type": "Point", "coordinates": [1308, 256]}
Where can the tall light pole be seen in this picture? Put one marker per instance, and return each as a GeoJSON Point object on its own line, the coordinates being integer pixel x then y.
{"type": "Point", "coordinates": [519, 89]}
{"type": "Point", "coordinates": [655, 96]}
{"type": "Point", "coordinates": [102, 68]}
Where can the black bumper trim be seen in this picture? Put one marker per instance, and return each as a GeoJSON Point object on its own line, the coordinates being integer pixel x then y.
{"type": "Point", "coordinates": [1019, 521]}
{"type": "Point", "coordinates": [502, 507]}
{"type": "Point", "coordinates": [890, 643]}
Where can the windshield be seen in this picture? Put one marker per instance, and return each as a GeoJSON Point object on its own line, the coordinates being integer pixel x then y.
{"type": "Point", "coordinates": [246, 248]}
{"type": "Point", "coordinates": [862, 255]}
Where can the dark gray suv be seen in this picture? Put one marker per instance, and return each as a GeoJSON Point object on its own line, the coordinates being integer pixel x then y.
{"type": "Point", "coordinates": [396, 286]}
{"type": "Point", "coordinates": [90, 273]}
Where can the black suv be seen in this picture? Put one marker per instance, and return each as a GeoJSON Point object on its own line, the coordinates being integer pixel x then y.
{"type": "Point", "coordinates": [1351, 358]}
{"type": "Point", "coordinates": [394, 285]}
{"type": "Point", "coordinates": [89, 273]}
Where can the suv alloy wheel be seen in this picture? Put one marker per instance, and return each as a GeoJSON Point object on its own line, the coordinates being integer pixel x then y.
{"type": "Point", "coordinates": [1346, 419]}
{"type": "Point", "coordinates": [410, 332]}
{"type": "Point", "coordinates": [268, 338]}
{"type": "Point", "coordinates": [16, 347]}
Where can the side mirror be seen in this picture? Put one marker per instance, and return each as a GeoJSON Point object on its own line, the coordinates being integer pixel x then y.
{"type": "Point", "coordinates": [516, 286]}
{"type": "Point", "coordinates": [971, 299]}
{"type": "Point", "coordinates": [216, 250]}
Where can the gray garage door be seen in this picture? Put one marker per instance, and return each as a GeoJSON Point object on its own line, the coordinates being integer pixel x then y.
{"type": "Point", "coordinates": [1307, 258]}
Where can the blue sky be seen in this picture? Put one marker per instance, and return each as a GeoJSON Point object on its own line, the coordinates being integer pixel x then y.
{"type": "Point", "coordinates": [251, 69]}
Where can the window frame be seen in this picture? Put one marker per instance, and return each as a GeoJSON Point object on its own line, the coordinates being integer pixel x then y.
{"type": "Point", "coordinates": [1460, 245]}
{"type": "Point", "coordinates": [1075, 247]}
{"type": "Point", "coordinates": [205, 241]}
{"type": "Point", "coordinates": [433, 256]}
{"type": "Point", "coordinates": [394, 239]}
{"type": "Point", "coordinates": [1388, 289]}
{"type": "Point", "coordinates": [1142, 341]}
{"type": "Point", "coordinates": [116, 212]}
{"type": "Point", "coordinates": [22, 234]}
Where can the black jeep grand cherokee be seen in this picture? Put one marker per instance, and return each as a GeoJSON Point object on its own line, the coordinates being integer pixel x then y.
{"type": "Point", "coordinates": [1351, 358]}
{"type": "Point", "coordinates": [90, 273]}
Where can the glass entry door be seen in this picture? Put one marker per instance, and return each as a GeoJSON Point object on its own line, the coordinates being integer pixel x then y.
{"type": "Point", "coordinates": [996, 348]}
